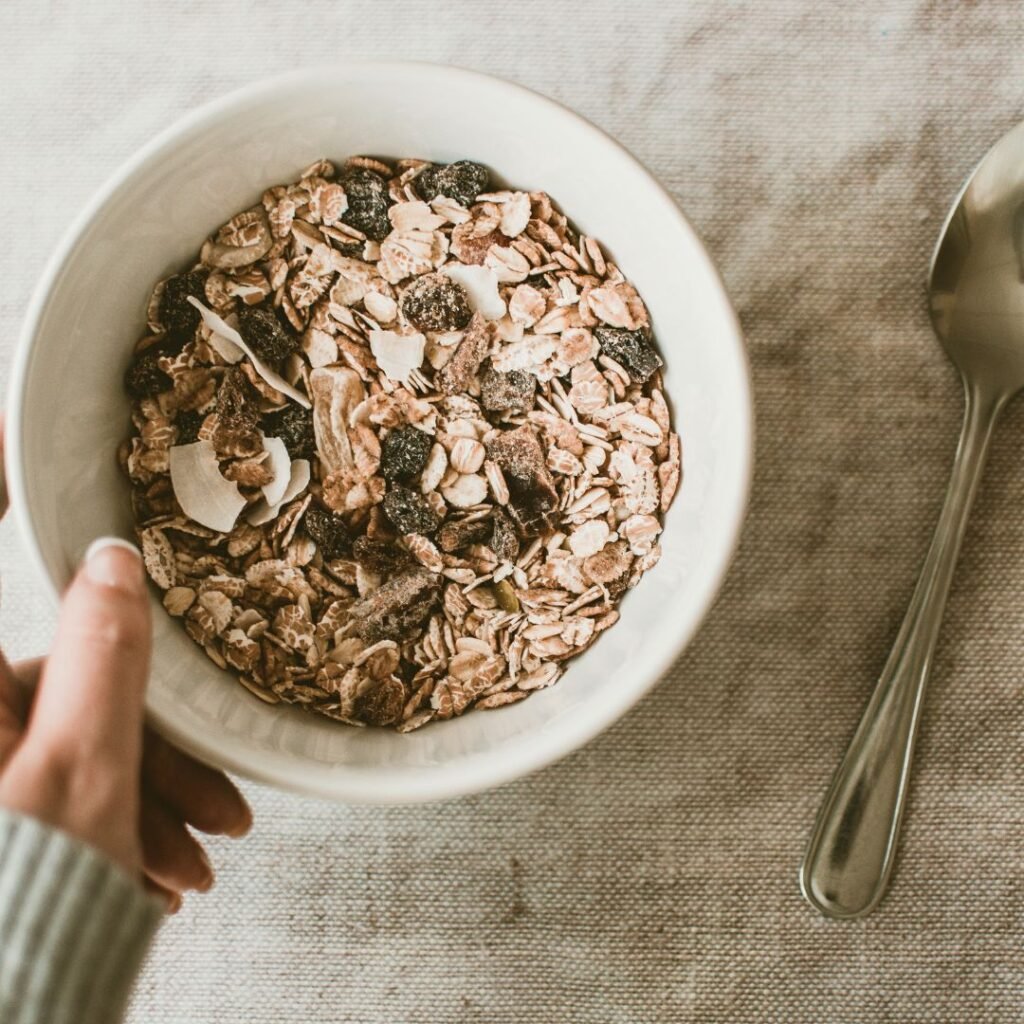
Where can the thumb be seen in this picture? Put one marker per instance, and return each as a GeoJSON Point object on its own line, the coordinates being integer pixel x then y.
{"type": "Point", "coordinates": [91, 696]}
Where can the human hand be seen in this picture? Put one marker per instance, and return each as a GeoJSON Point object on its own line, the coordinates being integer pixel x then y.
{"type": "Point", "coordinates": [74, 752]}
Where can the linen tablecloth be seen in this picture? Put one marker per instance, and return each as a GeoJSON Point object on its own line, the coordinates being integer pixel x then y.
{"type": "Point", "coordinates": [652, 876]}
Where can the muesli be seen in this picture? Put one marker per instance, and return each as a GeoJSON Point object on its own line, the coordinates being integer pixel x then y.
{"type": "Point", "coordinates": [399, 444]}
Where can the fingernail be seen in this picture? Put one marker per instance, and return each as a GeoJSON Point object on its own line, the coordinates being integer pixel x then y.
{"type": "Point", "coordinates": [114, 562]}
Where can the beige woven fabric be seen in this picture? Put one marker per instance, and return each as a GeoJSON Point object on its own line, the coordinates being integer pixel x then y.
{"type": "Point", "coordinates": [652, 876]}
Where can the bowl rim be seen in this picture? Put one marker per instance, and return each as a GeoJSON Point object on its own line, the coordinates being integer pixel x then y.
{"type": "Point", "coordinates": [355, 785]}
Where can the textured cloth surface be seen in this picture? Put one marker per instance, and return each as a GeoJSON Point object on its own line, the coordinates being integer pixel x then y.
{"type": "Point", "coordinates": [73, 928]}
{"type": "Point", "coordinates": [652, 876]}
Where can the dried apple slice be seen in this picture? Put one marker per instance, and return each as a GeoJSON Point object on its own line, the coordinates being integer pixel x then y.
{"type": "Point", "coordinates": [225, 330]}
{"type": "Point", "coordinates": [336, 391]}
{"type": "Point", "coordinates": [202, 492]}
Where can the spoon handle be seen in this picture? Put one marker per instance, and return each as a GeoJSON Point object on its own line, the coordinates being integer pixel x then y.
{"type": "Point", "coordinates": [852, 846]}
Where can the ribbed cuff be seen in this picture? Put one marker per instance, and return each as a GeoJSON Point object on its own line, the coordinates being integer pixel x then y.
{"type": "Point", "coordinates": [74, 928]}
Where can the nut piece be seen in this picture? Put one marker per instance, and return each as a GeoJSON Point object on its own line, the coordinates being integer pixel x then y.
{"type": "Point", "coordinates": [458, 373]}
{"type": "Point", "coordinates": [532, 493]}
{"type": "Point", "coordinates": [396, 608]}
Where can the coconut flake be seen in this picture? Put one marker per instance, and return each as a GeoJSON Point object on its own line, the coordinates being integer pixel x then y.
{"type": "Point", "coordinates": [275, 380]}
{"type": "Point", "coordinates": [200, 488]}
{"type": "Point", "coordinates": [225, 348]}
{"type": "Point", "coordinates": [481, 285]}
{"type": "Point", "coordinates": [263, 511]}
{"type": "Point", "coordinates": [397, 354]}
{"type": "Point", "coordinates": [280, 464]}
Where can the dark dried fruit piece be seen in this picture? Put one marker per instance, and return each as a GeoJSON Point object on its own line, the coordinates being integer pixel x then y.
{"type": "Point", "coordinates": [521, 458]}
{"type": "Point", "coordinates": [237, 430]}
{"type": "Point", "coordinates": [263, 332]}
{"type": "Point", "coordinates": [514, 391]}
{"type": "Point", "coordinates": [462, 181]}
{"type": "Point", "coordinates": [631, 349]}
{"type": "Point", "coordinates": [176, 312]}
{"type": "Point", "coordinates": [458, 534]}
{"type": "Point", "coordinates": [378, 557]}
{"type": "Point", "coordinates": [144, 378]}
{"type": "Point", "coordinates": [396, 608]}
{"type": "Point", "coordinates": [368, 202]}
{"type": "Point", "coordinates": [380, 703]}
{"type": "Point", "coordinates": [294, 425]}
{"type": "Point", "coordinates": [504, 542]}
{"type": "Point", "coordinates": [434, 302]}
{"type": "Point", "coordinates": [188, 424]}
{"type": "Point", "coordinates": [410, 512]}
{"type": "Point", "coordinates": [403, 453]}
{"type": "Point", "coordinates": [329, 532]}
{"type": "Point", "coordinates": [457, 374]}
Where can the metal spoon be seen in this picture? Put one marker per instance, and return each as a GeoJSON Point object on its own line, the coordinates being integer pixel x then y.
{"type": "Point", "coordinates": [976, 300]}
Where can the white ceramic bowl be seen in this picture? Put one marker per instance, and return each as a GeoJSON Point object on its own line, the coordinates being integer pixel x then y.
{"type": "Point", "coordinates": [67, 411]}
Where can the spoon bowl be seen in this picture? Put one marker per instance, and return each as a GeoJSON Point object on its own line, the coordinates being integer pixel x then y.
{"type": "Point", "coordinates": [976, 279]}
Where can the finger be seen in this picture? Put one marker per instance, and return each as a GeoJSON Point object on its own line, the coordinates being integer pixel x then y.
{"type": "Point", "coordinates": [27, 673]}
{"type": "Point", "coordinates": [90, 698]}
{"type": "Point", "coordinates": [170, 854]}
{"type": "Point", "coordinates": [201, 796]}
{"type": "Point", "coordinates": [171, 898]}
{"type": "Point", "coordinates": [17, 682]}
{"type": "Point", "coordinates": [12, 711]}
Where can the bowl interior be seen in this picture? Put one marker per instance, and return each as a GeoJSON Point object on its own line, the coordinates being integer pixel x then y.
{"type": "Point", "coordinates": [70, 413]}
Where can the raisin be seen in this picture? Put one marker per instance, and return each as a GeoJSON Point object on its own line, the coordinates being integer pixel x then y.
{"type": "Point", "coordinates": [455, 535]}
{"type": "Point", "coordinates": [379, 557]}
{"type": "Point", "coordinates": [368, 202]}
{"type": "Point", "coordinates": [404, 453]}
{"type": "Point", "coordinates": [462, 181]}
{"type": "Point", "coordinates": [434, 302]}
{"type": "Point", "coordinates": [264, 333]}
{"type": "Point", "coordinates": [410, 512]}
{"type": "Point", "coordinates": [144, 378]}
{"type": "Point", "coordinates": [188, 424]}
{"type": "Point", "coordinates": [329, 532]}
{"type": "Point", "coordinates": [513, 391]}
{"type": "Point", "coordinates": [294, 426]}
{"type": "Point", "coordinates": [631, 349]}
{"type": "Point", "coordinates": [176, 312]}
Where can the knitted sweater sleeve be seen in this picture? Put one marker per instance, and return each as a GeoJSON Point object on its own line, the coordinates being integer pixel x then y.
{"type": "Point", "coordinates": [74, 928]}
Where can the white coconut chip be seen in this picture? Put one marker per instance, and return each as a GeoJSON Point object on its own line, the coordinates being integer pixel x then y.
{"type": "Point", "coordinates": [397, 354]}
{"type": "Point", "coordinates": [281, 464]}
{"type": "Point", "coordinates": [225, 348]}
{"type": "Point", "coordinates": [203, 493]}
{"type": "Point", "coordinates": [225, 330]}
{"type": "Point", "coordinates": [481, 285]}
{"type": "Point", "coordinates": [262, 512]}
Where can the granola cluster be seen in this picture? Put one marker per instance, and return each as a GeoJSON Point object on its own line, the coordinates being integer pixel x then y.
{"type": "Point", "coordinates": [399, 443]}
